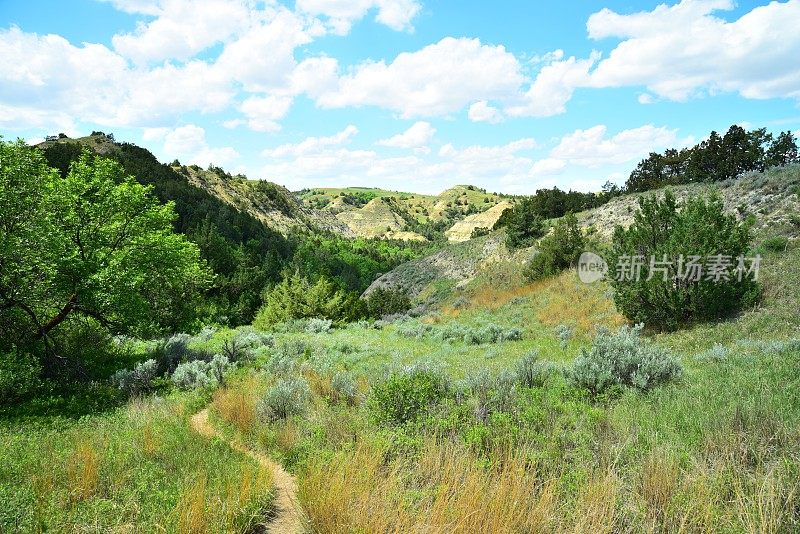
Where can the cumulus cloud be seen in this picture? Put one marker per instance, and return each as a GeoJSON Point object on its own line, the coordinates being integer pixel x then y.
{"type": "Point", "coordinates": [481, 111]}
{"type": "Point", "coordinates": [438, 79]}
{"type": "Point", "coordinates": [263, 112]}
{"type": "Point", "coordinates": [553, 88]}
{"type": "Point", "coordinates": [312, 145]}
{"type": "Point", "coordinates": [181, 29]}
{"type": "Point", "coordinates": [341, 14]}
{"type": "Point", "coordinates": [593, 148]}
{"type": "Point", "coordinates": [188, 143]}
{"type": "Point", "coordinates": [683, 50]}
{"type": "Point", "coordinates": [417, 136]}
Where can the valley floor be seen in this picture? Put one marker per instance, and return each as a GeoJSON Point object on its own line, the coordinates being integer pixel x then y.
{"type": "Point", "coordinates": [470, 448]}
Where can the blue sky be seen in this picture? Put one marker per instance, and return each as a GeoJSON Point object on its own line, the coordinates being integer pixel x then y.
{"type": "Point", "coordinates": [404, 94]}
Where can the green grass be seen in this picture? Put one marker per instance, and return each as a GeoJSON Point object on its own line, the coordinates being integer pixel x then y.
{"type": "Point", "coordinates": [139, 468]}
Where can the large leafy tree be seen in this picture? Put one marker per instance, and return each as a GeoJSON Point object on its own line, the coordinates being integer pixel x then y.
{"type": "Point", "coordinates": [95, 244]}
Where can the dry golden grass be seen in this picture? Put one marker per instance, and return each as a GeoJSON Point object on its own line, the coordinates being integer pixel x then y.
{"type": "Point", "coordinates": [443, 490]}
{"type": "Point", "coordinates": [567, 300]}
{"type": "Point", "coordinates": [320, 384]}
{"type": "Point", "coordinates": [150, 440]}
{"type": "Point", "coordinates": [287, 435]}
{"type": "Point", "coordinates": [83, 471]}
{"type": "Point", "coordinates": [658, 485]}
{"type": "Point", "coordinates": [254, 483]}
{"type": "Point", "coordinates": [562, 299]}
{"type": "Point", "coordinates": [596, 507]}
{"type": "Point", "coordinates": [191, 508]}
{"type": "Point", "coordinates": [236, 404]}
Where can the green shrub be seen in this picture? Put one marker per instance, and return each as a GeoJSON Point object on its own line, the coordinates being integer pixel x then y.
{"type": "Point", "coordinates": [479, 231]}
{"type": "Point", "coordinates": [383, 301]}
{"type": "Point", "coordinates": [406, 395]}
{"type": "Point", "coordinates": [296, 297]}
{"type": "Point", "coordinates": [666, 229]}
{"type": "Point", "coordinates": [19, 376]}
{"type": "Point", "coordinates": [623, 359]}
{"type": "Point", "coordinates": [557, 251]}
{"type": "Point", "coordinates": [288, 397]}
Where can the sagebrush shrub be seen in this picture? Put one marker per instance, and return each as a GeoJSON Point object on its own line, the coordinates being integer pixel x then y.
{"type": "Point", "coordinates": [251, 339]}
{"type": "Point", "coordinates": [133, 382]}
{"type": "Point", "coordinates": [344, 387]}
{"type": "Point", "coordinates": [406, 395]}
{"type": "Point", "coordinates": [287, 397]}
{"type": "Point", "coordinates": [198, 373]}
{"type": "Point", "coordinates": [623, 359]}
{"type": "Point", "coordinates": [717, 353]}
{"type": "Point", "coordinates": [532, 372]}
{"type": "Point", "coordinates": [413, 329]}
{"type": "Point", "coordinates": [318, 326]}
{"type": "Point", "coordinates": [564, 333]}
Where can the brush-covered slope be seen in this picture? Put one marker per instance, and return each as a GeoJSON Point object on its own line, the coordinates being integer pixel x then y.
{"type": "Point", "coordinates": [271, 204]}
{"type": "Point", "coordinates": [771, 197]}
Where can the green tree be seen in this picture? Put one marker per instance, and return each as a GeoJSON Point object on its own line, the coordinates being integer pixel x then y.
{"type": "Point", "coordinates": [782, 151]}
{"type": "Point", "coordinates": [94, 244]}
{"type": "Point", "coordinates": [673, 294]}
{"type": "Point", "coordinates": [523, 224]}
{"type": "Point", "coordinates": [296, 297]}
{"type": "Point", "coordinates": [558, 250]}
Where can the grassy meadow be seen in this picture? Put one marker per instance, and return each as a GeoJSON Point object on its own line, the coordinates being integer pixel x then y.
{"type": "Point", "coordinates": [716, 451]}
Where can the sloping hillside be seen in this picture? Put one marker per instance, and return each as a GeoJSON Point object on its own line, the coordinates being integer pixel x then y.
{"type": "Point", "coordinates": [462, 230]}
{"type": "Point", "coordinates": [772, 197]}
{"type": "Point", "coordinates": [271, 204]}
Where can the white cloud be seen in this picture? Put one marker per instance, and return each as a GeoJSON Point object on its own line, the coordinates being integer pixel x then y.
{"type": "Point", "coordinates": [312, 145]}
{"type": "Point", "coordinates": [264, 112]}
{"type": "Point", "coordinates": [592, 148]}
{"type": "Point", "coordinates": [262, 58]}
{"type": "Point", "coordinates": [188, 143]}
{"type": "Point", "coordinates": [181, 29]}
{"type": "Point", "coordinates": [481, 111]}
{"type": "Point", "coordinates": [437, 80]}
{"type": "Point", "coordinates": [341, 14]}
{"type": "Point", "coordinates": [683, 50]}
{"type": "Point", "coordinates": [548, 167]}
{"type": "Point", "coordinates": [553, 88]}
{"type": "Point", "coordinates": [417, 136]}
{"type": "Point", "coordinates": [645, 98]}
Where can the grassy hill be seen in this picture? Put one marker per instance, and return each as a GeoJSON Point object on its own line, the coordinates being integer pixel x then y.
{"type": "Point", "coordinates": [372, 212]}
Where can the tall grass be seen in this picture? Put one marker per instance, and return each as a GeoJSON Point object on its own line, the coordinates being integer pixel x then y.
{"type": "Point", "coordinates": [141, 466]}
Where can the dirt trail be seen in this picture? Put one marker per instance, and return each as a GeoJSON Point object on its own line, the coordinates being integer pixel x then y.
{"type": "Point", "coordinates": [288, 515]}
